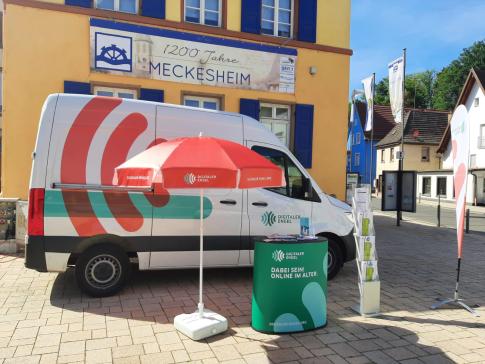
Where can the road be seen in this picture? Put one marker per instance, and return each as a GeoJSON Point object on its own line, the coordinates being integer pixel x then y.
{"type": "Point", "coordinates": [426, 213]}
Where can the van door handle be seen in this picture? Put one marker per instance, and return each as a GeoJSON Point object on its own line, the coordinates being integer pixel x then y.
{"type": "Point", "coordinates": [260, 204]}
{"type": "Point", "coordinates": [228, 202]}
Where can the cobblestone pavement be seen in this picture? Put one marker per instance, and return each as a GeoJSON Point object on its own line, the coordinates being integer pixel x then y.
{"type": "Point", "coordinates": [44, 318]}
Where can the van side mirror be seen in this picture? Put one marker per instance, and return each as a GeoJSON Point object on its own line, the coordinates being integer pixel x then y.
{"type": "Point", "coordinates": [307, 188]}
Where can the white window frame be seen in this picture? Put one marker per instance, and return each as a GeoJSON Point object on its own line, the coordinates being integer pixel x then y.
{"type": "Point", "coordinates": [276, 18]}
{"type": "Point", "coordinates": [357, 138]}
{"type": "Point", "coordinates": [202, 11]}
{"type": "Point", "coordinates": [276, 120]}
{"type": "Point", "coordinates": [116, 4]}
{"type": "Point", "coordinates": [383, 156]}
{"type": "Point", "coordinates": [438, 185]}
{"type": "Point", "coordinates": [427, 178]}
{"type": "Point", "coordinates": [391, 155]}
{"type": "Point", "coordinates": [116, 91]}
{"type": "Point", "coordinates": [202, 99]}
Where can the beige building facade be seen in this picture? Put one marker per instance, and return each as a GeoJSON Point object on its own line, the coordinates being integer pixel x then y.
{"type": "Point", "coordinates": [422, 134]}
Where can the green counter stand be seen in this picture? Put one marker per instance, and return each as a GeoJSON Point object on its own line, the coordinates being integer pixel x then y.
{"type": "Point", "coordinates": [289, 285]}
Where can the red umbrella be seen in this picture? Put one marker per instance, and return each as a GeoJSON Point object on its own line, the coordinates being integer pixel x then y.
{"type": "Point", "coordinates": [199, 162]}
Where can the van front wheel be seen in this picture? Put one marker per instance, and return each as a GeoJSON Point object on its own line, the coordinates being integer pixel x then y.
{"type": "Point", "coordinates": [335, 258]}
{"type": "Point", "coordinates": [102, 270]}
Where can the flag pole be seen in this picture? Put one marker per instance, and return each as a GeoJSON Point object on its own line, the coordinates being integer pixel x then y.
{"type": "Point", "coordinates": [456, 300]}
{"type": "Point", "coordinates": [401, 159]}
{"type": "Point", "coordinates": [200, 306]}
{"type": "Point", "coordinates": [372, 131]}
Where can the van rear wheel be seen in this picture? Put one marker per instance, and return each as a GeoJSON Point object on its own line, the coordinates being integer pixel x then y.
{"type": "Point", "coordinates": [102, 270]}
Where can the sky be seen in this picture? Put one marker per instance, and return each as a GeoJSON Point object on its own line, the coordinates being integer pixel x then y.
{"type": "Point", "coordinates": [433, 31]}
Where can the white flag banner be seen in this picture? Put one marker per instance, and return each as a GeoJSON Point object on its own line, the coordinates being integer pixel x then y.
{"type": "Point", "coordinates": [369, 97]}
{"type": "Point", "coordinates": [396, 78]}
{"type": "Point", "coordinates": [460, 142]}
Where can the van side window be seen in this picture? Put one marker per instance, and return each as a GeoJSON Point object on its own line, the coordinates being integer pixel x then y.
{"type": "Point", "coordinates": [294, 178]}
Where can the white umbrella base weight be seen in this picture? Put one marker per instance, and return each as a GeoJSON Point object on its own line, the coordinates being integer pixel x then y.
{"type": "Point", "coordinates": [198, 327]}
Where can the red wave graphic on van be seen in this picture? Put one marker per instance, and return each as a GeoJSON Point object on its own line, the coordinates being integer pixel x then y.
{"type": "Point", "coordinates": [115, 153]}
{"type": "Point", "coordinates": [74, 165]}
{"type": "Point", "coordinates": [74, 161]}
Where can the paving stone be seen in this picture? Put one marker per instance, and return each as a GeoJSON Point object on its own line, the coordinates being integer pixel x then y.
{"type": "Point", "coordinates": [98, 356]}
{"type": "Point", "coordinates": [136, 326]}
{"type": "Point", "coordinates": [127, 351]}
{"type": "Point", "coordinates": [72, 348]}
{"type": "Point", "coordinates": [157, 358]}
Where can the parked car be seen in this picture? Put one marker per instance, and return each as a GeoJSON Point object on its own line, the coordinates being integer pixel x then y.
{"type": "Point", "coordinates": [78, 218]}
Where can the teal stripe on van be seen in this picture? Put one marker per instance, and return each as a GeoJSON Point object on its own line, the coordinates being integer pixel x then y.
{"type": "Point", "coordinates": [178, 206]}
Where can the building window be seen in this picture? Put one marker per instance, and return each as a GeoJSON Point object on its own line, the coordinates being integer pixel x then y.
{"type": "Point", "coordinates": [441, 184]}
{"type": "Point", "coordinates": [476, 102]}
{"type": "Point", "coordinates": [277, 119]}
{"type": "Point", "coordinates": [124, 93]}
{"type": "Point", "coordinates": [126, 6]}
{"type": "Point", "coordinates": [426, 188]}
{"type": "Point", "coordinates": [211, 103]}
{"type": "Point", "coordinates": [357, 159]}
{"type": "Point", "coordinates": [276, 18]}
{"type": "Point", "coordinates": [425, 154]}
{"type": "Point", "coordinates": [357, 138]}
{"type": "Point", "coordinates": [481, 138]}
{"type": "Point", "coordinates": [207, 12]}
{"type": "Point", "coordinates": [391, 155]}
{"type": "Point", "coordinates": [383, 158]}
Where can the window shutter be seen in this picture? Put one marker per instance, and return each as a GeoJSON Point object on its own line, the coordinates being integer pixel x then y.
{"type": "Point", "coordinates": [82, 3]}
{"type": "Point", "coordinates": [148, 94]}
{"type": "Point", "coordinates": [307, 21]}
{"type": "Point", "coordinates": [249, 107]}
{"type": "Point", "coordinates": [251, 16]}
{"type": "Point", "coordinates": [153, 8]}
{"type": "Point", "coordinates": [73, 87]}
{"type": "Point", "coordinates": [304, 134]}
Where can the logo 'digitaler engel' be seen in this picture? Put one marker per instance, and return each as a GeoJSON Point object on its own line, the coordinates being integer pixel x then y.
{"type": "Point", "coordinates": [268, 218]}
{"type": "Point", "coordinates": [278, 255]}
{"type": "Point", "coordinates": [190, 178]}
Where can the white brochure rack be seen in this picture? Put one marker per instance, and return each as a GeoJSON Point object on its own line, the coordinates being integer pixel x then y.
{"type": "Point", "coordinates": [365, 242]}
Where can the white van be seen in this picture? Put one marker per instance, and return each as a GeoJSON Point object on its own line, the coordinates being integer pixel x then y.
{"type": "Point", "coordinates": [77, 219]}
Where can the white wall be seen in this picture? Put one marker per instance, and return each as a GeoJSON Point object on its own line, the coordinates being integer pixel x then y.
{"type": "Point", "coordinates": [476, 119]}
{"type": "Point", "coordinates": [449, 186]}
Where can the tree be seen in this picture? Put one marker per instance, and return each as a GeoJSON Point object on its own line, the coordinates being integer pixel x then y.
{"type": "Point", "coordinates": [382, 92]}
{"type": "Point", "coordinates": [451, 79]}
{"type": "Point", "coordinates": [418, 90]}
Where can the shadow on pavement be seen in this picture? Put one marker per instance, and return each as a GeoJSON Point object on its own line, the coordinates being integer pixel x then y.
{"type": "Point", "coordinates": [158, 296]}
{"type": "Point", "coordinates": [356, 342]}
{"type": "Point", "coordinates": [476, 325]}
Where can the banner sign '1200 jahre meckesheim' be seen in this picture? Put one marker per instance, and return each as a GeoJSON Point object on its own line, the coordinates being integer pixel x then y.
{"type": "Point", "coordinates": [169, 55]}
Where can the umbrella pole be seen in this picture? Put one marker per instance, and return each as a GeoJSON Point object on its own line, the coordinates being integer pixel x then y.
{"type": "Point", "coordinates": [201, 254]}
